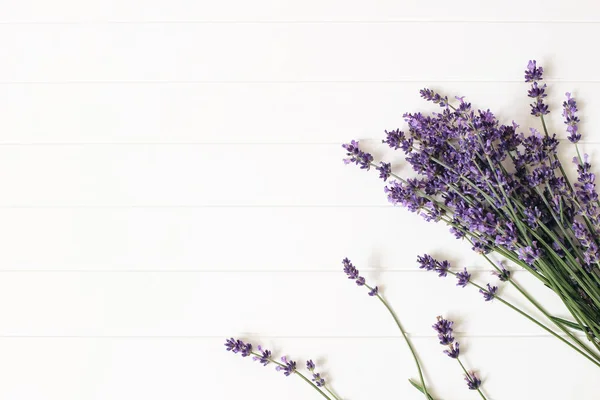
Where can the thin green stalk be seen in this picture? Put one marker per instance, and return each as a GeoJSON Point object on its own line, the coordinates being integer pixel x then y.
{"type": "Point", "coordinates": [535, 321]}
{"type": "Point", "coordinates": [545, 313]}
{"type": "Point", "coordinates": [470, 377]}
{"type": "Point", "coordinates": [407, 340]}
{"type": "Point", "coordinates": [331, 393]}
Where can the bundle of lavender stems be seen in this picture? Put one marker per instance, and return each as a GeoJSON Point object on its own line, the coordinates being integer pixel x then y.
{"type": "Point", "coordinates": [506, 192]}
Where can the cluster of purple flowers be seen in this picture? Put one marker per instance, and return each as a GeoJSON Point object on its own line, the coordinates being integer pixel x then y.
{"type": "Point", "coordinates": [316, 377]}
{"type": "Point", "coordinates": [501, 189]}
{"type": "Point", "coordinates": [443, 327]}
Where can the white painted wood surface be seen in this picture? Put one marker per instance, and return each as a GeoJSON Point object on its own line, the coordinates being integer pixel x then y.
{"type": "Point", "coordinates": [171, 175]}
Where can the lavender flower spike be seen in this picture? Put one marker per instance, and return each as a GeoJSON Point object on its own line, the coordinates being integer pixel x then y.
{"type": "Point", "coordinates": [533, 73]}
{"type": "Point", "coordinates": [473, 382]}
{"type": "Point", "coordinates": [463, 278]}
{"type": "Point", "coordinates": [357, 156]}
{"type": "Point", "coordinates": [317, 378]}
{"type": "Point", "coordinates": [429, 263]}
{"type": "Point", "coordinates": [490, 293]}
{"type": "Point", "coordinates": [237, 346]}
{"type": "Point", "coordinates": [571, 119]}
{"type": "Point", "coordinates": [444, 329]}
{"type": "Point", "coordinates": [288, 368]}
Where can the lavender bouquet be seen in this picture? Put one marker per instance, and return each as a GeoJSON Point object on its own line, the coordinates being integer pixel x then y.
{"type": "Point", "coordinates": [506, 192]}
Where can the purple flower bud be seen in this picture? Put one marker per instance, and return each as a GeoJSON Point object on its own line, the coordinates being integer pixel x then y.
{"type": "Point", "coordinates": [434, 97]}
{"type": "Point", "coordinates": [310, 365]}
{"type": "Point", "coordinates": [288, 368]}
{"type": "Point", "coordinates": [473, 383]}
{"type": "Point", "coordinates": [356, 156]}
{"type": "Point", "coordinates": [571, 119]}
{"type": "Point", "coordinates": [463, 278]}
{"type": "Point", "coordinates": [426, 262]}
{"type": "Point", "coordinates": [318, 380]}
{"type": "Point", "coordinates": [237, 346]}
{"type": "Point", "coordinates": [533, 73]}
{"type": "Point", "coordinates": [385, 170]}
{"type": "Point", "coordinates": [490, 293]}
{"type": "Point", "coordinates": [264, 358]}
{"type": "Point", "coordinates": [453, 350]}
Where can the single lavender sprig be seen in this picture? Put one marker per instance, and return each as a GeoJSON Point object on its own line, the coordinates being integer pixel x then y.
{"type": "Point", "coordinates": [443, 327]}
{"type": "Point", "coordinates": [571, 119]}
{"type": "Point", "coordinates": [352, 272]}
{"type": "Point", "coordinates": [287, 366]}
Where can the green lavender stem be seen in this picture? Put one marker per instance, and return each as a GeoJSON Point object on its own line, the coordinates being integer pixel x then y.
{"type": "Point", "coordinates": [408, 342]}
{"type": "Point", "coordinates": [331, 393]}
{"type": "Point", "coordinates": [545, 313]}
{"type": "Point", "coordinates": [535, 321]}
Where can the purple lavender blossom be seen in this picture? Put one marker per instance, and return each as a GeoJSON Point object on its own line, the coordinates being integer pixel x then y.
{"type": "Point", "coordinates": [463, 278]}
{"type": "Point", "coordinates": [443, 327]}
{"type": "Point", "coordinates": [434, 97]}
{"type": "Point", "coordinates": [442, 269]}
{"type": "Point", "coordinates": [533, 73]}
{"type": "Point", "coordinates": [374, 291]}
{"type": "Point", "coordinates": [571, 119]}
{"type": "Point", "coordinates": [350, 269]}
{"type": "Point", "coordinates": [473, 382]}
{"type": "Point", "coordinates": [394, 139]}
{"type": "Point", "coordinates": [490, 293]}
{"type": "Point", "coordinates": [503, 274]}
{"type": "Point", "coordinates": [385, 170]}
{"type": "Point", "coordinates": [288, 367]}
{"type": "Point", "coordinates": [453, 350]}
{"type": "Point", "coordinates": [316, 377]}
{"type": "Point", "coordinates": [539, 108]}
{"type": "Point", "coordinates": [426, 262]}
{"type": "Point", "coordinates": [357, 156]}
{"type": "Point", "coordinates": [238, 346]}
{"type": "Point", "coordinates": [265, 356]}
{"type": "Point", "coordinates": [529, 254]}
{"type": "Point", "coordinates": [586, 187]}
